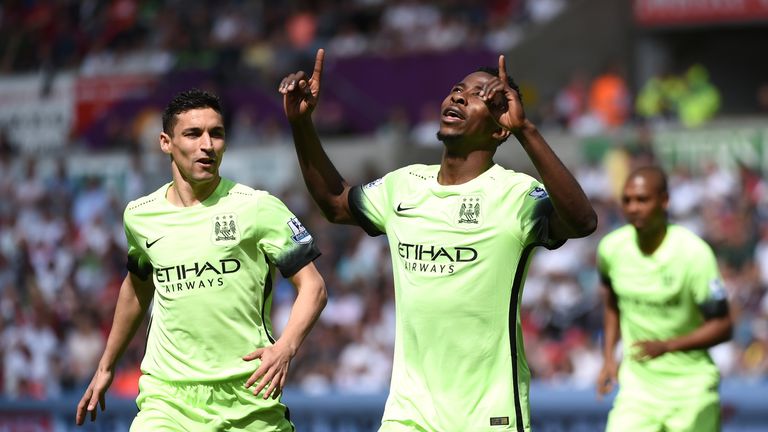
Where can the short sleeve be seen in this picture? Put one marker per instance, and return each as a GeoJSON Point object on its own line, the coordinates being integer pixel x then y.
{"type": "Point", "coordinates": [282, 237]}
{"type": "Point", "coordinates": [706, 284]}
{"type": "Point", "coordinates": [535, 210]}
{"type": "Point", "coordinates": [138, 261]}
{"type": "Point", "coordinates": [371, 203]}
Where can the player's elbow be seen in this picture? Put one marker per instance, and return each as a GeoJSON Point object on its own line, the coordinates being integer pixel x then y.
{"type": "Point", "coordinates": [590, 223]}
{"type": "Point", "coordinates": [336, 212]}
{"type": "Point", "coordinates": [322, 295]}
{"type": "Point", "coordinates": [726, 332]}
{"type": "Point", "coordinates": [585, 225]}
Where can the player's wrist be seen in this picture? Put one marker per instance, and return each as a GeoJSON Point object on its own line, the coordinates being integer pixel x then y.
{"type": "Point", "coordinates": [525, 131]}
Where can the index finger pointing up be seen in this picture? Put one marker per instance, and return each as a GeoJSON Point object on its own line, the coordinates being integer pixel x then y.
{"type": "Point", "coordinates": [502, 69]}
{"type": "Point", "coordinates": [318, 65]}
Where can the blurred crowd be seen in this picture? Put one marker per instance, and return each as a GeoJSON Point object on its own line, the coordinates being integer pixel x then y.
{"type": "Point", "coordinates": [62, 258]}
{"type": "Point", "coordinates": [123, 36]}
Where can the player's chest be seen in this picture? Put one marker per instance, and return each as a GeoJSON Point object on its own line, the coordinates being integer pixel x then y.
{"type": "Point", "coordinates": [648, 283]}
{"type": "Point", "coordinates": [170, 239]}
{"type": "Point", "coordinates": [419, 214]}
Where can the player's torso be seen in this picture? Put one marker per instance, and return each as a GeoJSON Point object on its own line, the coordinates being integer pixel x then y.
{"type": "Point", "coordinates": [212, 288]}
{"type": "Point", "coordinates": [653, 296]}
{"type": "Point", "coordinates": [455, 255]}
{"type": "Point", "coordinates": [656, 303]}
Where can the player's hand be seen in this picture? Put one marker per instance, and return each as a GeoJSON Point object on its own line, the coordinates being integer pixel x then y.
{"type": "Point", "coordinates": [607, 378]}
{"type": "Point", "coordinates": [648, 350]}
{"type": "Point", "coordinates": [300, 94]}
{"type": "Point", "coordinates": [94, 394]}
{"type": "Point", "coordinates": [272, 372]}
{"type": "Point", "coordinates": [503, 101]}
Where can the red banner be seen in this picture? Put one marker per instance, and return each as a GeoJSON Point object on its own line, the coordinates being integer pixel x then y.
{"type": "Point", "coordinates": [670, 12]}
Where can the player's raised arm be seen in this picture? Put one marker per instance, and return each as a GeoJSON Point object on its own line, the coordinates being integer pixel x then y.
{"type": "Point", "coordinates": [132, 303]}
{"type": "Point", "coordinates": [574, 215]}
{"type": "Point", "coordinates": [329, 190]}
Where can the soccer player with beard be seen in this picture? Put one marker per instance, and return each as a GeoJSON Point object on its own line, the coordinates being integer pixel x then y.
{"type": "Point", "coordinates": [461, 234]}
{"type": "Point", "coordinates": [665, 299]}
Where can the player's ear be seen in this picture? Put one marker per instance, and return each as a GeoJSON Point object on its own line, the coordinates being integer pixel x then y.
{"type": "Point", "coordinates": [501, 134]}
{"type": "Point", "coordinates": [165, 143]}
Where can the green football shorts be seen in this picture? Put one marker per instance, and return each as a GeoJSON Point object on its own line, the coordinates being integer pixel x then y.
{"type": "Point", "coordinates": [215, 406]}
{"type": "Point", "coordinates": [633, 412]}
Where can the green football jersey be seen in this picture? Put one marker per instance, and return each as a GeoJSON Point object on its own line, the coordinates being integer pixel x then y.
{"type": "Point", "coordinates": [659, 297]}
{"type": "Point", "coordinates": [213, 266]}
{"type": "Point", "coordinates": [459, 256]}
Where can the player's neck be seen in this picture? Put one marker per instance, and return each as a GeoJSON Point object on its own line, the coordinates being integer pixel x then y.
{"type": "Point", "coordinates": [186, 194]}
{"type": "Point", "coordinates": [457, 169]}
{"type": "Point", "coordinates": [649, 241]}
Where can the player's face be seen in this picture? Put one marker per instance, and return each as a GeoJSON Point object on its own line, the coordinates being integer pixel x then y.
{"type": "Point", "coordinates": [197, 144]}
{"type": "Point", "coordinates": [644, 205]}
{"type": "Point", "coordinates": [464, 114]}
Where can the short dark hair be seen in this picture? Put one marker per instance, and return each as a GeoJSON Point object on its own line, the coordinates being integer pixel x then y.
{"type": "Point", "coordinates": [495, 72]}
{"type": "Point", "coordinates": [653, 173]}
{"type": "Point", "coordinates": [185, 101]}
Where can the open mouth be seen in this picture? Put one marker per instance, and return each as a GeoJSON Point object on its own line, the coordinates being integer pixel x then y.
{"type": "Point", "coordinates": [207, 162]}
{"type": "Point", "coordinates": [451, 114]}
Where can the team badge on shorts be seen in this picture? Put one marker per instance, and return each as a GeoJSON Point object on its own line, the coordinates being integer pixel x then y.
{"type": "Point", "coordinates": [300, 234]}
{"type": "Point", "coordinates": [470, 211]}
{"type": "Point", "coordinates": [225, 231]}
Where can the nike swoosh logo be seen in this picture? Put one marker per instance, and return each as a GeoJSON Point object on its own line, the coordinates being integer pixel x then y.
{"type": "Point", "coordinates": [149, 245]}
{"type": "Point", "coordinates": [401, 208]}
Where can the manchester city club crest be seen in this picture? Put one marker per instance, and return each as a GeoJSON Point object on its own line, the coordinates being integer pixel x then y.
{"type": "Point", "coordinates": [470, 211]}
{"type": "Point", "coordinates": [225, 230]}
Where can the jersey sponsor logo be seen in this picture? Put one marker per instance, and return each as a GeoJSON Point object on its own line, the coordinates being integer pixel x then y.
{"type": "Point", "coordinates": [638, 302]}
{"type": "Point", "coordinates": [374, 183]}
{"type": "Point", "coordinates": [195, 275]}
{"type": "Point", "coordinates": [225, 230]}
{"type": "Point", "coordinates": [149, 244]}
{"type": "Point", "coordinates": [538, 193]}
{"type": "Point", "coordinates": [469, 211]}
{"type": "Point", "coordinates": [435, 258]}
{"type": "Point", "coordinates": [300, 234]}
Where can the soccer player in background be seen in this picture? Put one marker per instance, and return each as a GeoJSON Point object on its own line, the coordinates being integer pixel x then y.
{"type": "Point", "coordinates": [665, 299]}
{"type": "Point", "coordinates": [461, 234]}
{"type": "Point", "coordinates": [207, 250]}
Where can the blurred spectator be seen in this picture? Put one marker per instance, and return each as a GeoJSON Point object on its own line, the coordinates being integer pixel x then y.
{"type": "Point", "coordinates": [701, 100]}
{"type": "Point", "coordinates": [609, 98]}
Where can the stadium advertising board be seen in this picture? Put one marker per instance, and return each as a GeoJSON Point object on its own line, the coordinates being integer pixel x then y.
{"type": "Point", "coordinates": [727, 148]}
{"type": "Point", "coordinates": [684, 12]}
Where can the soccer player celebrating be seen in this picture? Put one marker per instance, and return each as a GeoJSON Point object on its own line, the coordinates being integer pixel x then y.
{"type": "Point", "coordinates": [207, 249]}
{"type": "Point", "coordinates": [665, 299]}
{"type": "Point", "coordinates": [461, 234]}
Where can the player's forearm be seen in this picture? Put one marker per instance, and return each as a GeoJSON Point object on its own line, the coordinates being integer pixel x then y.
{"type": "Point", "coordinates": [611, 333]}
{"type": "Point", "coordinates": [325, 184]}
{"type": "Point", "coordinates": [310, 301]}
{"type": "Point", "coordinates": [567, 197]}
{"type": "Point", "coordinates": [132, 305]}
{"type": "Point", "coordinates": [711, 333]}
